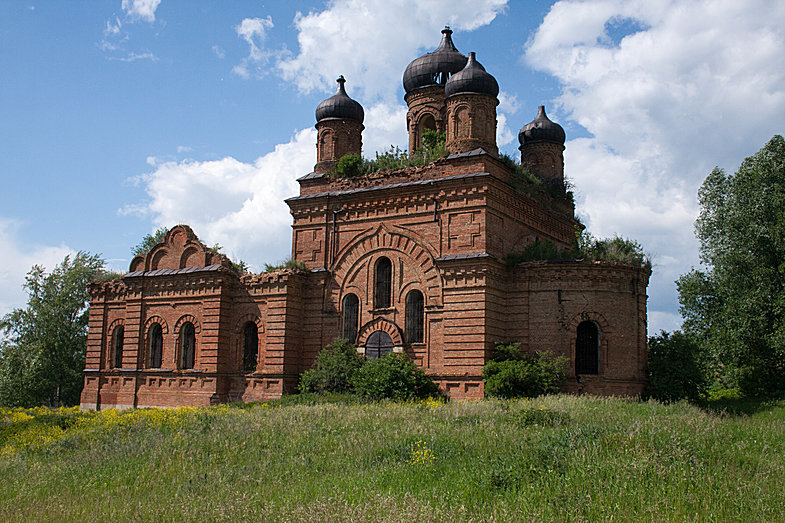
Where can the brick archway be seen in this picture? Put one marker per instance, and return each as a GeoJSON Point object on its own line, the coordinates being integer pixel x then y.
{"type": "Point", "coordinates": [354, 256]}
{"type": "Point", "coordinates": [604, 329]}
{"type": "Point", "coordinates": [380, 324]}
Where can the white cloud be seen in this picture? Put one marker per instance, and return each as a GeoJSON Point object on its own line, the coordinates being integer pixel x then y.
{"type": "Point", "coordinates": [254, 32]}
{"type": "Point", "coordinates": [141, 9]}
{"type": "Point", "coordinates": [116, 37]}
{"type": "Point", "coordinates": [239, 205]}
{"type": "Point", "coordinates": [19, 256]}
{"type": "Point", "coordinates": [363, 40]}
{"type": "Point", "coordinates": [386, 126]}
{"type": "Point", "coordinates": [508, 104]}
{"type": "Point", "coordinates": [686, 86]}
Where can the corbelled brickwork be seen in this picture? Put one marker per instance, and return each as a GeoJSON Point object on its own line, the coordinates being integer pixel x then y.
{"type": "Point", "coordinates": [408, 261]}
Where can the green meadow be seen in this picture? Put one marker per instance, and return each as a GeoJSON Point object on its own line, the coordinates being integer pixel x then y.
{"type": "Point", "coordinates": [309, 458]}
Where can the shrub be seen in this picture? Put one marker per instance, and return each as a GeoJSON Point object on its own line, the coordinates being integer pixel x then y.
{"type": "Point", "coordinates": [674, 368]}
{"type": "Point", "coordinates": [285, 264]}
{"type": "Point", "coordinates": [348, 166]}
{"type": "Point", "coordinates": [335, 369]}
{"type": "Point", "coordinates": [393, 376]}
{"type": "Point", "coordinates": [511, 374]}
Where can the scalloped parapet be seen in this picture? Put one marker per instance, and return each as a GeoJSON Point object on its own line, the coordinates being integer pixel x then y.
{"type": "Point", "coordinates": [181, 248]}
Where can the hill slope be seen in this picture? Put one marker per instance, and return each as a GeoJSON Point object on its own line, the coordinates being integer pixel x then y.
{"type": "Point", "coordinates": [554, 458]}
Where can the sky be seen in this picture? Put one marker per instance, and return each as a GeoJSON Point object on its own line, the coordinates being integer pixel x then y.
{"type": "Point", "coordinates": [122, 116]}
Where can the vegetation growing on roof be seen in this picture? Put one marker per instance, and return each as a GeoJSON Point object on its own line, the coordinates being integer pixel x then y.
{"type": "Point", "coordinates": [285, 264]}
{"type": "Point", "coordinates": [394, 158]}
{"type": "Point", "coordinates": [586, 247]}
{"type": "Point", "coordinates": [524, 180]}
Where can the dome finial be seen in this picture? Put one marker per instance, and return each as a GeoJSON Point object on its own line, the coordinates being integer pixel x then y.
{"type": "Point", "coordinates": [341, 89]}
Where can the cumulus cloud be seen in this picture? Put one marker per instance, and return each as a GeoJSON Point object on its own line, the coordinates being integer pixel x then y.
{"type": "Point", "coordinates": [667, 90]}
{"type": "Point", "coordinates": [239, 205]}
{"type": "Point", "coordinates": [254, 32]}
{"type": "Point", "coordinates": [141, 9]}
{"type": "Point", "coordinates": [19, 255]}
{"type": "Point", "coordinates": [336, 40]}
{"type": "Point", "coordinates": [386, 126]}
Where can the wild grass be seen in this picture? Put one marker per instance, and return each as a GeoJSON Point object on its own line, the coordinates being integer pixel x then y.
{"type": "Point", "coordinates": [555, 458]}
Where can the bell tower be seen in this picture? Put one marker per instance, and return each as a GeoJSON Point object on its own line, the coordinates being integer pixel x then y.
{"type": "Point", "coordinates": [339, 126]}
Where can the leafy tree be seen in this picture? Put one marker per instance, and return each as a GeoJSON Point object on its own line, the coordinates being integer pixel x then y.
{"type": "Point", "coordinates": [335, 369]}
{"type": "Point", "coordinates": [149, 241]}
{"type": "Point", "coordinates": [674, 368]}
{"type": "Point", "coordinates": [43, 355]}
{"type": "Point", "coordinates": [736, 305]}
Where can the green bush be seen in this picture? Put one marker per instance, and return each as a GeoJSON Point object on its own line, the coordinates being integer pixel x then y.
{"type": "Point", "coordinates": [348, 166]}
{"type": "Point", "coordinates": [511, 374]}
{"type": "Point", "coordinates": [393, 376]}
{"type": "Point", "coordinates": [674, 369]}
{"type": "Point", "coordinates": [335, 369]}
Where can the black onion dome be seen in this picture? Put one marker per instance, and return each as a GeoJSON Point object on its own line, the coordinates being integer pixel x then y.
{"type": "Point", "coordinates": [339, 106]}
{"type": "Point", "coordinates": [541, 129]}
{"type": "Point", "coordinates": [472, 79]}
{"type": "Point", "coordinates": [434, 68]}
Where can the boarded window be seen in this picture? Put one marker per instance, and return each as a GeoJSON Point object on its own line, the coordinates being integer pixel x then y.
{"type": "Point", "coordinates": [117, 347]}
{"type": "Point", "coordinates": [188, 345]}
{"type": "Point", "coordinates": [156, 341]}
{"type": "Point", "coordinates": [250, 346]}
{"type": "Point", "coordinates": [587, 349]}
{"type": "Point", "coordinates": [383, 283]}
{"type": "Point", "coordinates": [414, 317]}
{"type": "Point", "coordinates": [378, 344]}
{"type": "Point", "coordinates": [351, 315]}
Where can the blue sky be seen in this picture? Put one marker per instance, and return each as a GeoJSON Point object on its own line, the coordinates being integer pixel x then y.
{"type": "Point", "coordinates": [121, 116]}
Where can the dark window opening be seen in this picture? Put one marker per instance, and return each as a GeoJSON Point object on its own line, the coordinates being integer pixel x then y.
{"type": "Point", "coordinates": [188, 345]}
{"type": "Point", "coordinates": [117, 347]}
{"type": "Point", "coordinates": [414, 317]}
{"type": "Point", "coordinates": [383, 283]}
{"type": "Point", "coordinates": [351, 315]}
{"type": "Point", "coordinates": [378, 344]}
{"type": "Point", "coordinates": [587, 349]}
{"type": "Point", "coordinates": [250, 346]}
{"type": "Point", "coordinates": [156, 341]}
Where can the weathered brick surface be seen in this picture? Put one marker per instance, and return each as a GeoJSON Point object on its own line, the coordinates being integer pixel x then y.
{"type": "Point", "coordinates": [446, 228]}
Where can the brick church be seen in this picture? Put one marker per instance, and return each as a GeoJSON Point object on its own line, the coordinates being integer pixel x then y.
{"type": "Point", "coordinates": [411, 260]}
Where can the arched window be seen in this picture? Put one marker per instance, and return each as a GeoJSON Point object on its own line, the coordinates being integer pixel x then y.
{"type": "Point", "coordinates": [426, 123]}
{"type": "Point", "coordinates": [378, 344]}
{"type": "Point", "coordinates": [414, 317]}
{"type": "Point", "coordinates": [116, 357]}
{"type": "Point", "coordinates": [383, 283]}
{"type": "Point", "coordinates": [587, 349]}
{"type": "Point", "coordinates": [187, 346]}
{"type": "Point", "coordinates": [351, 315]}
{"type": "Point", "coordinates": [155, 340]}
{"type": "Point", "coordinates": [250, 346]}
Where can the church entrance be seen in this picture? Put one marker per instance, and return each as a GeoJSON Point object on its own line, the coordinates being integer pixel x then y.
{"type": "Point", "coordinates": [379, 343]}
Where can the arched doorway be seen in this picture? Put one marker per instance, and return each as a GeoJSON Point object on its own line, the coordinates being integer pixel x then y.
{"type": "Point", "coordinates": [378, 344]}
{"type": "Point", "coordinates": [587, 349]}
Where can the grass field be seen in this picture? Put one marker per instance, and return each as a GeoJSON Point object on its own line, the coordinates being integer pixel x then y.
{"type": "Point", "coordinates": [556, 458]}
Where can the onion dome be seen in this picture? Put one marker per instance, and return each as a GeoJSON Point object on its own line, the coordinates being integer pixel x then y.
{"type": "Point", "coordinates": [472, 79]}
{"type": "Point", "coordinates": [541, 129]}
{"type": "Point", "coordinates": [436, 67]}
{"type": "Point", "coordinates": [339, 106]}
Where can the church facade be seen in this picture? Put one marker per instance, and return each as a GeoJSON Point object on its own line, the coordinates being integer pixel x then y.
{"type": "Point", "coordinates": [413, 260]}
